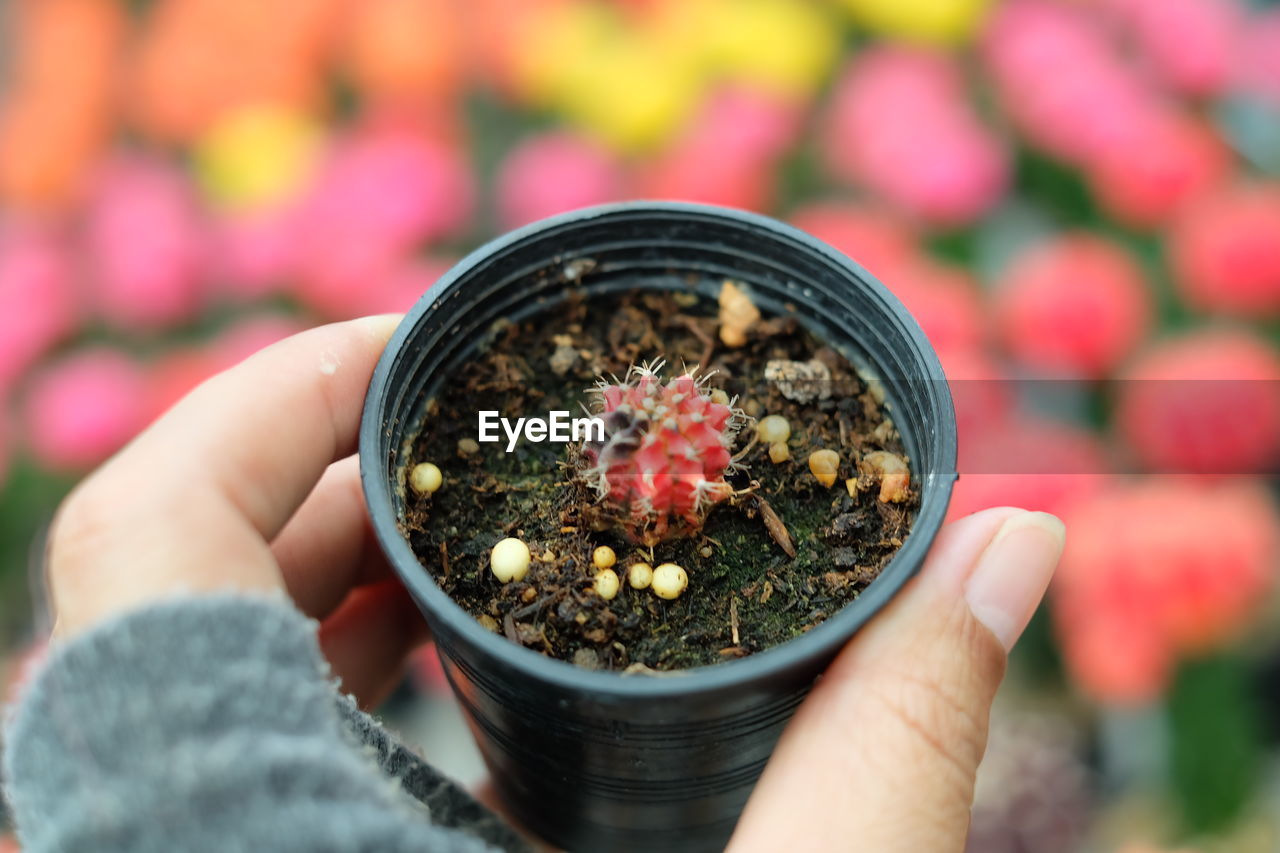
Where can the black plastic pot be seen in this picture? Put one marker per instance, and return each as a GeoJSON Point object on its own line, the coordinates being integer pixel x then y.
{"type": "Point", "coordinates": [596, 760]}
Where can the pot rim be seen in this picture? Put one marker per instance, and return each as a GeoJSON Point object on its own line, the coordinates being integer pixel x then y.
{"type": "Point", "coordinates": [824, 640]}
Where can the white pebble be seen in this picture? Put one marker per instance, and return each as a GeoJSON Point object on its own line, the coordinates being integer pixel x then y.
{"type": "Point", "coordinates": [669, 580]}
{"type": "Point", "coordinates": [773, 429]}
{"type": "Point", "coordinates": [640, 575]}
{"type": "Point", "coordinates": [425, 478]}
{"type": "Point", "coordinates": [603, 557]}
{"type": "Point", "coordinates": [606, 583]}
{"type": "Point", "coordinates": [509, 560]}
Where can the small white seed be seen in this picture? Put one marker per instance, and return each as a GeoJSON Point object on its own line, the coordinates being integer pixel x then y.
{"type": "Point", "coordinates": [640, 575]}
{"type": "Point", "coordinates": [425, 478]}
{"type": "Point", "coordinates": [669, 580]}
{"type": "Point", "coordinates": [773, 429]}
{"type": "Point", "coordinates": [606, 584]}
{"type": "Point", "coordinates": [509, 560]}
{"type": "Point", "coordinates": [779, 452]}
{"type": "Point", "coordinates": [468, 447]}
{"type": "Point", "coordinates": [824, 464]}
{"type": "Point", "coordinates": [603, 557]}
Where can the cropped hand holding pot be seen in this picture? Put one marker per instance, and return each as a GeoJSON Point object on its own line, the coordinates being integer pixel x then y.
{"type": "Point", "coordinates": [594, 760]}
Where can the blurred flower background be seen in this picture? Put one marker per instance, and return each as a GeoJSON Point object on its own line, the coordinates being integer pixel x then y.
{"type": "Point", "coordinates": [1078, 199]}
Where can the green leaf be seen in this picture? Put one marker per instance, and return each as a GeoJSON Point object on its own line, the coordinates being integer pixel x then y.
{"type": "Point", "coordinates": [1215, 742]}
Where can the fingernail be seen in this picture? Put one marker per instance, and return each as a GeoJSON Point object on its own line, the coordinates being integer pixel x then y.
{"type": "Point", "coordinates": [1013, 572]}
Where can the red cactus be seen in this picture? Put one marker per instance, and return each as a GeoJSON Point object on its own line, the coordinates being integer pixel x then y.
{"type": "Point", "coordinates": [665, 453]}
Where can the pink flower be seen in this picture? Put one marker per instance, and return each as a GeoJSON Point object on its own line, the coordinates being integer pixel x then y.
{"type": "Point", "coordinates": [1030, 463]}
{"type": "Point", "coordinates": [256, 252]}
{"type": "Point", "coordinates": [728, 156]}
{"type": "Point", "coordinates": [1061, 80]}
{"type": "Point", "coordinates": [250, 335]}
{"type": "Point", "coordinates": [145, 246]}
{"type": "Point", "coordinates": [392, 287]}
{"type": "Point", "coordinates": [980, 390]}
{"type": "Point", "coordinates": [84, 407]}
{"type": "Point", "coordinates": [1074, 305]}
{"type": "Point", "coordinates": [1191, 45]}
{"type": "Point", "coordinates": [553, 173]}
{"type": "Point", "coordinates": [901, 126]}
{"type": "Point", "coordinates": [944, 300]}
{"type": "Point", "coordinates": [38, 298]}
{"type": "Point", "coordinates": [874, 238]}
{"type": "Point", "coordinates": [1159, 568]}
{"type": "Point", "coordinates": [1225, 251]}
{"type": "Point", "coordinates": [397, 292]}
{"type": "Point", "coordinates": [1207, 402]}
{"type": "Point", "coordinates": [1165, 162]}
{"type": "Point", "coordinates": [383, 194]}
{"type": "Point", "coordinates": [1257, 68]}
{"type": "Point", "coordinates": [750, 120]}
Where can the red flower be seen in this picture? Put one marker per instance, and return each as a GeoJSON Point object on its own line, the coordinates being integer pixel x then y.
{"type": "Point", "coordinates": [1074, 305]}
{"type": "Point", "coordinates": [901, 126]}
{"type": "Point", "coordinates": [1156, 569]}
{"type": "Point", "coordinates": [874, 238]}
{"type": "Point", "coordinates": [554, 173]}
{"type": "Point", "coordinates": [943, 299]}
{"type": "Point", "coordinates": [1163, 162]}
{"type": "Point", "coordinates": [1225, 251]}
{"type": "Point", "coordinates": [1208, 402]}
{"type": "Point", "coordinates": [1030, 463]}
{"type": "Point", "coordinates": [1192, 45]}
{"type": "Point", "coordinates": [83, 408]}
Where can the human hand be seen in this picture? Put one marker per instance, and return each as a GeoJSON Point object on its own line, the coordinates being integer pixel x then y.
{"type": "Point", "coordinates": [248, 484]}
{"type": "Point", "coordinates": [882, 754]}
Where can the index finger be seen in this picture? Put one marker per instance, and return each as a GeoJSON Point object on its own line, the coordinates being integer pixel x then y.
{"type": "Point", "coordinates": [192, 503]}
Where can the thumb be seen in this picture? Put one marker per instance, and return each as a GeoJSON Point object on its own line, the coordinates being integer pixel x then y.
{"type": "Point", "coordinates": [882, 754]}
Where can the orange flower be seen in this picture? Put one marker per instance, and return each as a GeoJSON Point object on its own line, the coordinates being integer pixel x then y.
{"type": "Point", "coordinates": [200, 58]}
{"type": "Point", "coordinates": [499, 34]}
{"type": "Point", "coordinates": [406, 49]}
{"type": "Point", "coordinates": [57, 109]}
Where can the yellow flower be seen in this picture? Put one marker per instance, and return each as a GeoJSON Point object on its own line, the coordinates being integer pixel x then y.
{"type": "Point", "coordinates": [782, 46]}
{"type": "Point", "coordinates": [560, 45]}
{"type": "Point", "coordinates": [635, 94]}
{"type": "Point", "coordinates": [927, 21]}
{"type": "Point", "coordinates": [256, 156]}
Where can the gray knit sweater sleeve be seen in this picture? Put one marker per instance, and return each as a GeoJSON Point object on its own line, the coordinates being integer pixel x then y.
{"type": "Point", "coordinates": [211, 724]}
